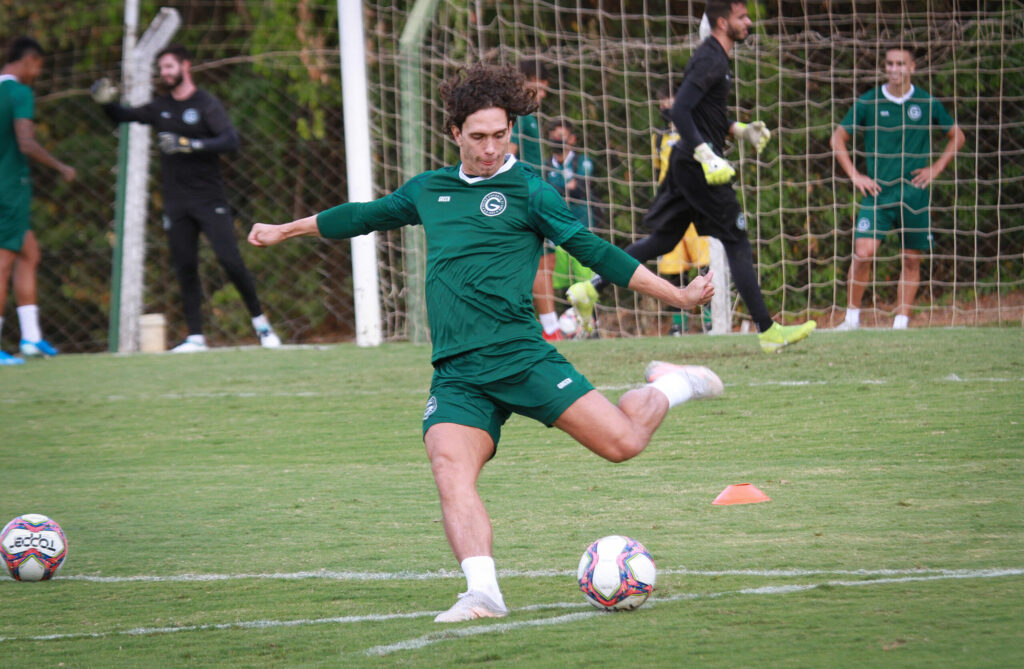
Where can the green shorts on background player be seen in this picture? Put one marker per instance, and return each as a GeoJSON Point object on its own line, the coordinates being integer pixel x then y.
{"type": "Point", "coordinates": [19, 249]}
{"type": "Point", "coordinates": [485, 222]}
{"type": "Point", "coordinates": [893, 125]}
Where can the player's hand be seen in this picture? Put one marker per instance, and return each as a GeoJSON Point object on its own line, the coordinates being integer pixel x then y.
{"type": "Point", "coordinates": [172, 142]}
{"type": "Point", "coordinates": [717, 170]}
{"type": "Point", "coordinates": [866, 185]}
{"type": "Point", "coordinates": [923, 176]}
{"type": "Point", "coordinates": [67, 172]}
{"type": "Point", "coordinates": [265, 234]}
{"type": "Point", "coordinates": [755, 134]}
{"type": "Point", "coordinates": [699, 291]}
{"type": "Point", "coordinates": [103, 91]}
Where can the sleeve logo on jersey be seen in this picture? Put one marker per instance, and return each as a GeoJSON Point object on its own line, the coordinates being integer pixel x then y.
{"type": "Point", "coordinates": [914, 112]}
{"type": "Point", "coordinates": [741, 222]}
{"type": "Point", "coordinates": [431, 407]}
{"type": "Point", "coordinates": [493, 204]}
{"type": "Point", "coordinates": [864, 224]}
{"type": "Point", "coordinates": [191, 116]}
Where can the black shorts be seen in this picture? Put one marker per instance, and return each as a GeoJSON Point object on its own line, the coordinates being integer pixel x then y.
{"type": "Point", "coordinates": [685, 197]}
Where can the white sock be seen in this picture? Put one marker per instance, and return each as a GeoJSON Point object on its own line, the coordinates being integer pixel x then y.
{"type": "Point", "coordinates": [852, 316]}
{"type": "Point", "coordinates": [901, 322]}
{"type": "Point", "coordinates": [197, 339]}
{"type": "Point", "coordinates": [260, 323]}
{"type": "Point", "coordinates": [28, 317]}
{"type": "Point", "coordinates": [549, 322]}
{"type": "Point", "coordinates": [482, 577]}
{"type": "Point", "coordinates": [675, 387]}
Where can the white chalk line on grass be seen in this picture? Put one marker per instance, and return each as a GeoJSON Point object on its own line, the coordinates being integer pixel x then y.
{"type": "Point", "coordinates": [458, 633]}
{"type": "Point", "coordinates": [329, 575]}
{"type": "Point", "coordinates": [435, 637]}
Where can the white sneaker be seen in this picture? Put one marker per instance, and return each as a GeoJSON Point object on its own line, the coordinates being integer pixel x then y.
{"type": "Point", "coordinates": [470, 606]}
{"type": "Point", "coordinates": [847, 326]}
{"type": "Point", "coordinates": [269, 338]}
{"type": "Point", "coordinates": [703, 382]}
{"type": "Point", "coordinates": [192, 344]}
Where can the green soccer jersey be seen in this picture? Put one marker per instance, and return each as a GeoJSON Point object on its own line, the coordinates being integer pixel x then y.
{"type": "Point", "coordinates": [526, 135]}
{"type": "Point", "coordinates": [16, 102]}
{"type": "Point", "coordinates": [896, 136]}
{"type": "Point", "coordinates": [484, 239]}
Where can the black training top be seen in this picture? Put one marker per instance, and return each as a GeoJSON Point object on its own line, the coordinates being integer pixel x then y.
{"type": "Point", "coordinates": [194, 176]}
{"type": "Point", "coordinates": [700, 111]}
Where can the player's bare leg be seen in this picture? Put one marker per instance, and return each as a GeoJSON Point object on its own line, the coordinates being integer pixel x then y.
{"type": "Point", "coordinates": [457, 455]}
{"type": "Point", "coordinates": [861, 264]}
{"type": "Point", "coordinates": [24, 276]}
{"type": "Point", "coordinates": [910, 280]}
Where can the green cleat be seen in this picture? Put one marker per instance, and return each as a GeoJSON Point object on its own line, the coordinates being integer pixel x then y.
{"type": "Point", "coordinates": [583, 296]}
{"type": "Point", "coordinates": [777, 337]}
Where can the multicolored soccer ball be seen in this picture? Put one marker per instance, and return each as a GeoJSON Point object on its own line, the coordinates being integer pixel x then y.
{"type": "Point", "coordinates": [33, 547]}
{"type": "Point", "coordinates": [616, 573]}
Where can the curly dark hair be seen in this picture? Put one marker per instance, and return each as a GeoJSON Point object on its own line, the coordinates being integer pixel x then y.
{"type": "Point", "coordinates": [482, 86]}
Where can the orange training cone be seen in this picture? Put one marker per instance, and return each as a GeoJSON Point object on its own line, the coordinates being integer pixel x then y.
{"type": "Point", "coordinates": [741, 493]}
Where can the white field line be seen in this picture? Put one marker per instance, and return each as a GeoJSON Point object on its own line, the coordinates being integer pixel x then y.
{"type": "Point", "coordinates": [503, 573]}
{"type": "Point", "coordinates": [434, 637]}
{"type": "Point", "coordinates": [244, 394]}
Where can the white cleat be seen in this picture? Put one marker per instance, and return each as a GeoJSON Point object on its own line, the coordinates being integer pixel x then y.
{"type": "Point", "coordinates": [847, 326]}
{"type": "Point", "coordinates": [269, 338]}
{"type": "Point", "coordinates": [703, 382]}
{"type": "Point", "coordinates": [191, 345]}
{"type": "Point", "coordinates": [472, 605]}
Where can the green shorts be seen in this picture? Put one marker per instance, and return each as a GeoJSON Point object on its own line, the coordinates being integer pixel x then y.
{"type": "Point", "coordinates": [14, 219]}
{"type": "Point", "coordinates": [482, 388]}
{"type": "Point", "coordinates": [901, 207]}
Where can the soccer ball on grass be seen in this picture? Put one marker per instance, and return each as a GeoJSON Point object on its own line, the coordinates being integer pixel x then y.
{"type": "Point", "coordinates": [616, 573]}
{"type": "Point", "coordinates": [33, 547]}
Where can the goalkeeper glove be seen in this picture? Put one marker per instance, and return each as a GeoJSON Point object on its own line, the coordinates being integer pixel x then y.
{"type": "Point", "coordinates": [103, 92]}
{"type": "Point", "coordinates": [716, 170]}
{"type": "Point", "coordinates": [172, 142]}
{"type": "Point", "coordinates": [756, 134]}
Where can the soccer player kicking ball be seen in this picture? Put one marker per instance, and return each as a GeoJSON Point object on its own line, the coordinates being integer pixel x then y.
{"type": "Point", "coordinates": [485, 221]}
{"type": "Point", "coordinates": [697, 186]}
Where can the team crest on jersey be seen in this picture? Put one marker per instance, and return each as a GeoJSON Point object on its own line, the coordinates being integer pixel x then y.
{"type": "Point", "coordinates": [431, 407]}
{"type": "Point", "coordinates": [493, 204]}
{"type": "Point", "coordinates": [741, 222]}
{"type": "Point", "coordinates": [914, 112]}
{"type": "Point", "coordinates": [191, 116]}
{"type": "Point", "coordinates": [864, 223]}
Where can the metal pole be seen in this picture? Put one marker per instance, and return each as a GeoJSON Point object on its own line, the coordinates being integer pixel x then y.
{"type": "Point", "coordinates": [413, 160]}
{"type": "Point", "coordinates": [359, 169]}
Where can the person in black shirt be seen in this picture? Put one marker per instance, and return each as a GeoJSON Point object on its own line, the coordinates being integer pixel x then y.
{"type": "Point", "coordinates": [193, 130]}
{"type": "Point", "coordinates": [697, 185]}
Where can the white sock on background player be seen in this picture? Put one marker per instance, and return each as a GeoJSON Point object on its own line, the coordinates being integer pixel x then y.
{"type": "Point", "coordinates": [28, 318]}
{"type": "Point", "coordinates": [549, 322]}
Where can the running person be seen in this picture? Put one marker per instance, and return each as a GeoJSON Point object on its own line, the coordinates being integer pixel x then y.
{"type": "Point", "coordinates": [193, 131]}
{"type": "Point", "coordinates": [19, 249]}
{"type": "Point", "coordinates": [894, 123]}
{"type": "Point", "coordinates": [485, 221]}
{"type": "Point", "coordinates": [697, 187]}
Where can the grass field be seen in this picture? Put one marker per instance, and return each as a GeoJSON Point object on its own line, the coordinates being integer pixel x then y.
{"type": "Point", "coordinates": [275, 508]}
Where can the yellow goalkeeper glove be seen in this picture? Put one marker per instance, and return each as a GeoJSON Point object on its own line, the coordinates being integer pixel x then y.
{"type": "Point", "coordinates": [755, 134]}
{"type": "Point", "coordinates": [717, 170]}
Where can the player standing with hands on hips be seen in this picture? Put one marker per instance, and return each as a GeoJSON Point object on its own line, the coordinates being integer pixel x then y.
{"type": "Point", "coordinates": [485, 221]}
{"type": "Point", "coordinates": [19, 249]}
{"type": "Point", "coordinates": [193, 130]}
{"type": "Point", "coordinates": [894, 123]}
{"type": "Point", "coordinates": [698, 184]}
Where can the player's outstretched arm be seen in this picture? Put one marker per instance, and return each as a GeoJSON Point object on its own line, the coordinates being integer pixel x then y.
{"type": "Point", "coordinates": [697, 292]}
{"type": "Point", "coordinates": [266, 234]}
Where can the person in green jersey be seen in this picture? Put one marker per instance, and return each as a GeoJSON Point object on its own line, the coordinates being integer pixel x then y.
{"type": "Point", "coordinates": [485, 221]}
{"type": "Point", "coordinates": [894, 124]}
{"type": "Point", "coordinates": [19, 249]}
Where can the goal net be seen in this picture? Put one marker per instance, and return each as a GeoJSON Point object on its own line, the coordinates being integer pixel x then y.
{"type": "Point", "coordinates": [275, 66]}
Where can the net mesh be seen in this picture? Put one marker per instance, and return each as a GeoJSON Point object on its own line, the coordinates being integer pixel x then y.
{"type": "Point", "coordinates": [275, 67]}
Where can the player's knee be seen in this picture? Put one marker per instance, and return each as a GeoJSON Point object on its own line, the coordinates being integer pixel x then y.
{"type": "Point", "coordinates": [623, 447]}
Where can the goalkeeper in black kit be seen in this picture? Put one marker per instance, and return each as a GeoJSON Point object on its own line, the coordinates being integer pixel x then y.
{"type": "Point", "coordinates": [698, 185]}
{"type": "Point", "coordinates": [193, 130]}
